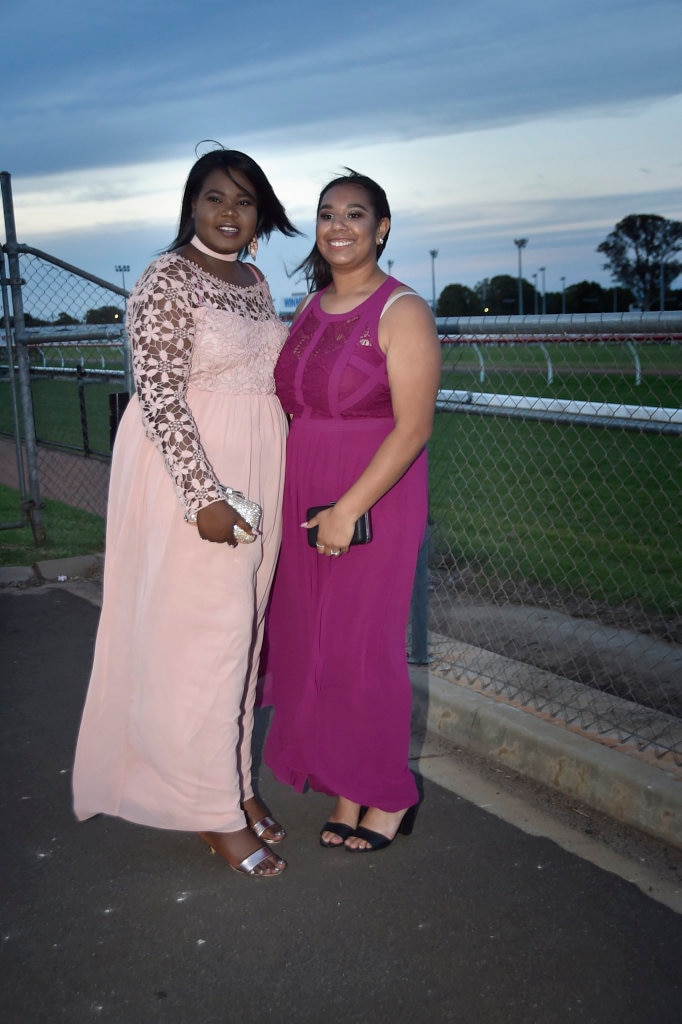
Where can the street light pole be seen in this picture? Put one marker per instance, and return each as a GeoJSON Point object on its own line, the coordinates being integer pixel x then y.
{"type": "Point", "coordinates": [122, 269]}
{"type": "Point", "coordinates": [563, 294]}
{"type": "Point", "coordinates": [520, 244]}
{"type": "Point", "coordinates": [544, 304]}
{"type": "Point", "coordinates": [433, 253]}
{"type": "Point", "coordinates": [535, 293]}
{"type": "Point", "coordinates": [390, 266]}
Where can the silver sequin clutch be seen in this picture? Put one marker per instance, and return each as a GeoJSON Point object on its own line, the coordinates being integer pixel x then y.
{"type": "Point", "coordinates": [248, 510]}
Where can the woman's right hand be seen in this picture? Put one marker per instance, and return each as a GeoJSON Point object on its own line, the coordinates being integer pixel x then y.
{"type": "Point", "coordinates": [216, 523]}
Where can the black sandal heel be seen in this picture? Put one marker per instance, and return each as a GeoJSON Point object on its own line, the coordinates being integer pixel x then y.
{"type": "Point", "coordinates": [409, 817]}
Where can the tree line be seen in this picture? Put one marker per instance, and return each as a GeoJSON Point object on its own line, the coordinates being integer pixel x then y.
{"type": "Point", "coordinates": [640, 254]}
{"type": "Point", "coordinates": [100, 315]}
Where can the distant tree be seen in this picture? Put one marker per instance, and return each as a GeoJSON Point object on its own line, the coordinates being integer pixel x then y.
{"type": "Point", "coordinates": [32, 321]}
{"type": "Point", "coordinates": [66, 320]}
{"type": "Point", "coordinates": [499, 296]}
{"type": "Point", "coordinates": [104, 315]}
{"type": "Point", "coordinates": [639, 254]}
{"type": "Point", "coordinates": [552, 303]}
{"type": "Point", "coordinates": [622, 300]}
{"type": "Point", "coordinates": [458, 300]}
{"type": "Point", "coordinates": [674, 299]}
{"type": "Point", "coordinates": [588, 297]}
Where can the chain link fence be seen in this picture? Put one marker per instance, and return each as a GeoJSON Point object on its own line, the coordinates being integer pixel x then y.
{"type": "Point", "coordinates": [555, 549]}
{"type": "Point", "coordinates": [65, 376]}
{"type": "Point", "coordinates": [79, 380]}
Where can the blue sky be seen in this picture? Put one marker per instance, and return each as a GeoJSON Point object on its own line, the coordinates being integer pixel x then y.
{"type": "Point", "coordinates": [484, 121]}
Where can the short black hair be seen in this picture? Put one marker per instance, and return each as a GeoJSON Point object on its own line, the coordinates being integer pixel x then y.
{"type": "Point", "coordinates": [271, 213]}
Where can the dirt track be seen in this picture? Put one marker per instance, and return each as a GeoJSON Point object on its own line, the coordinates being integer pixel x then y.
{"type": "Point", "coordinates": [64, 476]}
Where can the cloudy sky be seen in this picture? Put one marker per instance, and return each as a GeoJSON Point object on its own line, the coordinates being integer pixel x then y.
{"type": "Point", "coordinates": [483, 120]}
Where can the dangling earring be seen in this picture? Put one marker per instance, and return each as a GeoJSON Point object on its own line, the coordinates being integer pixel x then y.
{"type": "Point", "coordinates": [253, 247]}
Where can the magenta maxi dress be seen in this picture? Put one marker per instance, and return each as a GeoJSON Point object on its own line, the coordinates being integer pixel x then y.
{"type": "Point", "coordinates": [336, 666]}
{"type": "Point", "coordinates": [165, 738]}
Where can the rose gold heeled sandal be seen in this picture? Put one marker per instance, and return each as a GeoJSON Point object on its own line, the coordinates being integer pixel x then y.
{"type": "Point", "coordinates": [266, 822]}
{"type": "Point", "coordinates": [251, 863]}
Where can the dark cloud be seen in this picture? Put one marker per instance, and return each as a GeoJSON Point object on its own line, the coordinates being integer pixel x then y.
{"type": "Point", "coordinates": [95, 86]}
{"type": "Point", "coordinates": [135, 82]}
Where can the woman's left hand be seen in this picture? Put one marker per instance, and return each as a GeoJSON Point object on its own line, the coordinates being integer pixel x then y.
{"type": "Point", "coordinates": [216, 522]}
{"type": "Point", "coordinates": [334, 531]}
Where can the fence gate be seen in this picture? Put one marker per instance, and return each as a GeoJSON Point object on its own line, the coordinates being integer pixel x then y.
{"type": "Point", "coordinates": [65, 374]}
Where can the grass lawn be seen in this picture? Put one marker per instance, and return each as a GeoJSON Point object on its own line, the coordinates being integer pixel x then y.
{"type": "Point", "coordinates": [588, 373]}
{"type": "Point", "coordinates": [58, 416]}
{"type": "Point", "coordinates": [595, 512]}
{"type": "Point", "coordinates": [69, 532]}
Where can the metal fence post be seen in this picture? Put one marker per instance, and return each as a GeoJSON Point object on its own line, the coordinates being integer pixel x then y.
{"type": "Point", "coordinates": [80, 376]}
{"type": "Point", "coordinates": [35, 504]}
{"type": "Point", "coordinates": [4, 281]}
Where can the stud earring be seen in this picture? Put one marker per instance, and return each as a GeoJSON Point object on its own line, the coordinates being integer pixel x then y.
{"type": "Point", "coordinates": [253, 247]}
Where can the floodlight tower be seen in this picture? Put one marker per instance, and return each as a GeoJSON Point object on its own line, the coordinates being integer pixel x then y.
{"type": "Point", "coordinates": [520, 244]}
{"type": "Point", "coordinates": [433, 253]}
{"type": "Point", "coordinates": [122, 269]}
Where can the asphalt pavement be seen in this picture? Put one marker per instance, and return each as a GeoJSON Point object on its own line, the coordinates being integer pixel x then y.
{"type": "Point", "coordinates": [471, 919]}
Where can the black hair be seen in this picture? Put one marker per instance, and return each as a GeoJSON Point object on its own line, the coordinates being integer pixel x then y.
{"type": "Point", "coordinates": [316, 270]}
{"type": "Point", "coordinates": [271, 213]}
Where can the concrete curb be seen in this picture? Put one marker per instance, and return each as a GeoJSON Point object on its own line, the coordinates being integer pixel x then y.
{"type": "Point", "coordinates": [620, 786]}
{"type": "Point", "coordinates": [12, 574]}
{"type": "Point", "coordinates": [52, 570]}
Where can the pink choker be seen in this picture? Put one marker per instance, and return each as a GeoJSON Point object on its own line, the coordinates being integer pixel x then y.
{"type": "Point", "coordinates": [228, 257]}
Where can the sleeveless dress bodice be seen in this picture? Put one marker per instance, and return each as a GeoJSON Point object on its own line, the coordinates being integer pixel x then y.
{"type": "Point", "coordinates": [332, 365]}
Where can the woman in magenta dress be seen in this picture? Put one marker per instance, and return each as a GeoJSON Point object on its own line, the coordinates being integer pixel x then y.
{"type": "Point", "coordinates": [165, 738]}
{"type": "Point", "coordinates": [359, 375]}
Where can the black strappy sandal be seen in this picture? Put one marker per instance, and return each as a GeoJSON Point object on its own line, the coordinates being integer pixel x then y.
{"type": "Point", "coordinates": [339, 829]}
{"type": "Point", "coordinates": [377, 840]}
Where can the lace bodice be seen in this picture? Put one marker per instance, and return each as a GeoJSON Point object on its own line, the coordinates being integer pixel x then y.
{"type": "Point", "coordinates": [190, 329]}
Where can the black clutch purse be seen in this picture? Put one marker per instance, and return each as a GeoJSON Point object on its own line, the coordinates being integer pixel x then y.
{"type": "Point", "coordinates": [362, 534]}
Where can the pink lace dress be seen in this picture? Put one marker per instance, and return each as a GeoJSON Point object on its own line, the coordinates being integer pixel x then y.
{"type": "Point", "coordinates": [336, 666]}
{"type": "Point", "coordinates": [166, 731]}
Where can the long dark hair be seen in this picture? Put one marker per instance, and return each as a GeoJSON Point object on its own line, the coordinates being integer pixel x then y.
{"type": "Point", "coordinates": [271, 214]}
{"type": "Point", "coordinates": [316, 270]}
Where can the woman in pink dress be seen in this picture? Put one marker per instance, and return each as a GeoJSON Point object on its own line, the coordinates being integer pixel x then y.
{"type": "Point", "coordinates": [165, 738]}
{"type": "Point", "coordinates": [359, 375]}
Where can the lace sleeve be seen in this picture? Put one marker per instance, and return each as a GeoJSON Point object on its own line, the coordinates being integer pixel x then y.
{"type": "Point", "coordinates": [160, 326]}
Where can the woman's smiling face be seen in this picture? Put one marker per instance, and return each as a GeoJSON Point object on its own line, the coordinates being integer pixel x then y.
{"type": "Point", "coordinates": [347, 230]}
{"type": "Point", "coordinates": [225, 211]}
